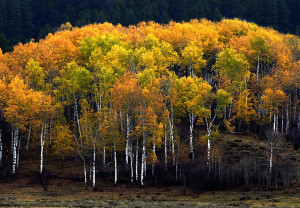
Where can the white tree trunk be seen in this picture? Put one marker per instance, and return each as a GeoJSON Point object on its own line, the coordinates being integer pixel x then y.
{"type": "Point", "coordinates": [191, 119]}
{"type": "Point", "coordinates": [84, 170]}
{"type": "Point", "coordinates": [143, 159]}
{"type": "Point", "coordinates": [15, 136]}
{"type": "Point", "coordinates": [94, 165]}
{"type": "Point", "coordinates": [77, 116]}
{"type": "Point", "coordinates": [115, 163]}
{"type": "Point", "coordinates": [131, 163]}
{"type": "Point", "coordinates": [42, 149]}
{"type": "Point", "coordinates": [137, 160]}
{"type": "Point", "coordinates": [271, 157]}
{"type": "Point", "coordinates": [171, 123]}
{"type": "Point", "coordinates": [153, 163]}
{"type": "Point", "coordinates": [127, 138]}
{"type": "Point", "coordinates": [18, 152]}
{"type": "Point", "coordinates": [166, 149]}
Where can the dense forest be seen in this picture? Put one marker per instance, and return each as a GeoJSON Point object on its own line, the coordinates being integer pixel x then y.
{"type": "Point", "coordinates": [153, 98]}
{"type": "Point", "coordinates": [22, 20]}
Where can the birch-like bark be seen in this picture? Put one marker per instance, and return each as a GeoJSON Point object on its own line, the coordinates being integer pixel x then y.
{"type": "Point", "coordinates": [271, 156]}
{"type": "Point", "coordinates": [131, 162]}
{"type": "Point", "coordinates": [77, 116]}
{"type": "Point", "coordinates": [15, 136]}
{"type": "Point", "coordinates": [137, 160]}
{"type": "Point", "coordinates": [191, 119]}
{"type": "Point", "coordinates": [166, 149]}
{"type": "Point", "coordinates": [84, 171]}
{"type": "Point", "coordinates": [115, 163]}
{"type": "Point", "coordinates": [18, 152]}
{"type": "Point", "coordinates": [42, 149]}
{"type": "Point", "coordinates": [208, 128]}
{"type": "Point", "coordinates": [171, 124]}
{"type": "Point", "coordinates": [83, 160]}
{"type": "Point", "coordinates": [153, 162]}
{"type": "Point", "coordinates": [143, 159]}
{"type": "Point", "coordinates": [127, 138]}
{"type": "Point", "coordinates": [94, 165]}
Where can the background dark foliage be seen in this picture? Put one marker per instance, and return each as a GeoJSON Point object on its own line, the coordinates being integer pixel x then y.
{"type": "Point", "coordinates": [22, 20]}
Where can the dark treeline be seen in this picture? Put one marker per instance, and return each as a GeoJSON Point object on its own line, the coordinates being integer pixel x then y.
{"type": "Point", "coordinates": [23, 20]}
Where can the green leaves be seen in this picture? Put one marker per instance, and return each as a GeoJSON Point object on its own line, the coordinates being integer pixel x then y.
{"type": "Point", "coordinates": [73, 79]}
{"type": "Point", "coordinates": [233, 66]}
{"type": "Point", "coordinates": [35, 74]}
{"type": "Point", "coordinates": [193, 95]}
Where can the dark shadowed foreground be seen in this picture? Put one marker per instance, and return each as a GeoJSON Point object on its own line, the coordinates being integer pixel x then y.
{"type": "Point", "coordinates": [65, 193]}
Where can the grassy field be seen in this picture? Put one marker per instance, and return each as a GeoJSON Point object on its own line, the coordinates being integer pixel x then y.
{"type": "Point", "coordinates": [66, 193]}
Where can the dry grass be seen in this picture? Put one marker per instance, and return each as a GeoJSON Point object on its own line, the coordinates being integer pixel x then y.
{"type": "Point", "coordinates": [66, 193]}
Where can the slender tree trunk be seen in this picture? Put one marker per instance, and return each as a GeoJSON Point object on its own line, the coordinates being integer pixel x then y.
{"type": "Point", "coordinates": [42, 149]}
{"type": "Point", "coordinates": [84, 170]}
{"type": "Point", "coordinates": [208, 128]}
{"type": "Point", "coordinates": [153, 163]}
{"type": "Point", "coordinates": [91, 168]}
{"type": "Point", "coordinates": [104, 156]}
{"type": "Point", "coordinates": [131, 163]}
{"type": "Point", "coordinates": [115, 163]}
{"type": "Point", "coordinates": [166, 149]}
{"type": "Point", "coordinates": [191, 119]}
{"type": "Point", "coordinates": [277, 122]}
{"type": "Point", "coordinates": [171, 123]}
{"type": "Point", "coordinates": [143, 159]}
{"type": "Point", "coordinates": [15, 136]}
{"type": "Point", "coordinates": [127, 139]}
{"type": "Point", "coordinates": [274, 122]}
{"type": "Point", "coordinates": [77, 116]}
{"type": "Point", "coordinates": [94, 165]}
{"type": "Point", "coordinates": [137, 160]}
{"type": "Point", "coordinates": [28, 138]}
{"type": "Point", "coordinates": [271, 157]}
{"type": "Point", "coordinates": [18, 152]}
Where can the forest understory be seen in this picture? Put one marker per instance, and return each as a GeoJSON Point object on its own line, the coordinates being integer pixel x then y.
{"type": "Point", "coordinates": [65, 185]}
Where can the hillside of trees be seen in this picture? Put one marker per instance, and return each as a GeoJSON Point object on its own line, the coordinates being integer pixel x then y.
{"type": "Point", "coordinates": [151, 98]}
{"type": "Point", "coordinates": [20, 21]}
